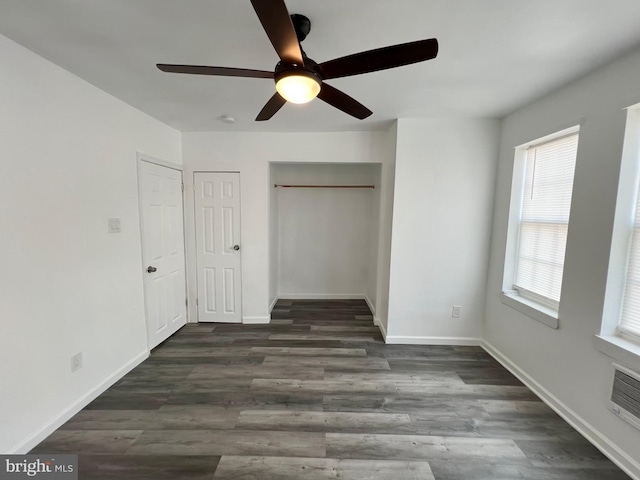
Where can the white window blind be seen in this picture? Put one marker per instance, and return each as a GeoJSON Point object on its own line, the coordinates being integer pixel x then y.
{"type": "Point", "coordinates": [630, 318]}
{"type": "Point", "coordinates": [546, 201]}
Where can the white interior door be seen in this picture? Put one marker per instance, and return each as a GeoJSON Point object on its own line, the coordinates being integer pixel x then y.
{"type": "Point", "coordinates": [217, 204]}
{"type": "Point", "coordinates": [162, 250]}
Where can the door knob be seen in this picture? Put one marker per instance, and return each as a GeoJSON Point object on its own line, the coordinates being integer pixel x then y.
{"type": "Point", "coordinates": [236, 247]}
{"type": "Point", "coordinates": [151, 269]}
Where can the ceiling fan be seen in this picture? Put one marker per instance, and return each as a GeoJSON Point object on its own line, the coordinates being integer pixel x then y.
{"type": "Point", "coordinates": [298, 78]}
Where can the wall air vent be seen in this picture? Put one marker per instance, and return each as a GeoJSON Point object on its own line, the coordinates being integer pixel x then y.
{"type": "Point", "coordinates": [625, 395]}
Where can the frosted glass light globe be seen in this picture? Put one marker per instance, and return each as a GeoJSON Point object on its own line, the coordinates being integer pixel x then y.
{"type": "Point", "coordinates": [296, 88]}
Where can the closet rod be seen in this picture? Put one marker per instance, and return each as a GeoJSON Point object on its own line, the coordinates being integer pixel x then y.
{"type": "Point", "coordinates": [323, 186]}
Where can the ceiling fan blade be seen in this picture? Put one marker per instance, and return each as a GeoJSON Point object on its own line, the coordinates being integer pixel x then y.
{"type": "Point", "coordinates": [222, 71]}
{"type": "Point", "coordinates": [380, 59]}
{"type": "Point", "coordinates": [274, 104]}
{"type": "Point", "coordinates": [343, 102]}
{"type": "Point", "coordinates": [275, 20]}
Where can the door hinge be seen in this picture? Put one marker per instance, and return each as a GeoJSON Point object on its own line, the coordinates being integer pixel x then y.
{"type": "Point", "coordinates": [186, 302]}
{"type": "Point", "coordinates": [183, 186]}
{"type": "Point", "coordinates": [196, 302]}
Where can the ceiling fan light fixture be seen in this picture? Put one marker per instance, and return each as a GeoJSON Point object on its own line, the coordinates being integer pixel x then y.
{"type": "Point", "coordinates": [298, 86]}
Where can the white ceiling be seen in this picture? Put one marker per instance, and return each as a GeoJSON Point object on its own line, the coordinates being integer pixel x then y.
{"type": "Point", "coordinates": [495, 55]}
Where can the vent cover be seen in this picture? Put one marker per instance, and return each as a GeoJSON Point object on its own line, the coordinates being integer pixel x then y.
{"type": "Point", "coordinates": [625, 395]}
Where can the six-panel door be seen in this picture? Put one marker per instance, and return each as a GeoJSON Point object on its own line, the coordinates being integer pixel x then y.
{"type": "Point", "coordinates": [162, 250]}
{"type": "Point", "coordinates": [217, 218]}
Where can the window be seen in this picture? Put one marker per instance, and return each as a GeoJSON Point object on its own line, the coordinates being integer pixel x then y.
{"type": "Point", "coordinates": [629, 323]}
{"type": "Point", "coordinates": [539, 219]}
{"type": "Point", "coordinates": [629, 320]}
{"type": "Point", "coordinates": [544, 219]}
{"type": "Point", "coordinates": [619, 335]}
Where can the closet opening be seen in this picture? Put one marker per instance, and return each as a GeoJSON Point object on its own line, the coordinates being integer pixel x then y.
{"type": "Point", "coordinates": [324, 231]}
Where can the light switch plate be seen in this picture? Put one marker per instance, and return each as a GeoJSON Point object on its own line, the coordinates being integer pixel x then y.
{"type": "Point", "coordinates": [114, 225]}
{"type": "Point", "coordinates": [76, 362]}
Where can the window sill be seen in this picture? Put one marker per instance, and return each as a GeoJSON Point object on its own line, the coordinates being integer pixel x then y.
{"type": "Point", "coordinates": [624, 351]}
{"type": "Point", "coordinates": [538, 312]}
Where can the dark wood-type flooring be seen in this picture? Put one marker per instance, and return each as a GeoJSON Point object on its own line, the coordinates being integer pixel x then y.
{"type": "Point", "coordinates": [318, 395]}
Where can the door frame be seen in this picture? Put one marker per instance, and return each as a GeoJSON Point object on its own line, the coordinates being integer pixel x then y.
{"type": "Point", "coordinates": [142, 157]}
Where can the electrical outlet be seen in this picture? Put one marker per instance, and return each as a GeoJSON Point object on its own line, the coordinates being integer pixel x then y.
{"type": "Point", "coordinates": [76, 362]}
{"type": "Point", "coordinates": [455, 311]}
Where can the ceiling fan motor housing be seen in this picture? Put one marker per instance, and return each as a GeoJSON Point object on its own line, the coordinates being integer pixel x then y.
{"type": "Point", "coordinates": [310, 69]}
{"type": "Point", "coordinates": [302, 25]}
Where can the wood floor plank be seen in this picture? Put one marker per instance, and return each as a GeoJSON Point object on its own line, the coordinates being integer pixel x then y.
{"type": "Point", "coordinates": [169, 386]}
{"type": "Point", "coordinates": [412, 404]}
{"type": "Point", "coordinates": [561, 454]}
{"type": "Point", "coordinates": [345, 329]}
{"type": "Point", "coordinates": [292, 468]}
{"type": "Point", "coordinates": [197, 328]}
{"type": "Point", "coordinates": [302, 372]}
{"type": "Point", "coordinates": [88, 441]}
{"type": "Point", "coordinates": [281, 322]}
{"type": "Point", "coordinates": [123, 399]}
{"type": "Point", "coordinates": [321, 336]}
{"type": "Point", "coordinates": [332, 362]}
{"type": "Point", "coordinates": [170, 417]}
{"type": "Point", "coordinates": [449, 377]}
{"type": "Point", "coordinates": [320, 421]}
{"type": "Point", "coordinates": [247, 399]}
{"type": "Point", "coordinates": [212, 384]}
{"type": "Point", "coordinates": [147, 467]}
{"type": "Point", "coordinates": [222, 360]}
{"type": "Point", "coordinates": [311, 352]}
{"type": "Point", "coordinates": [228, 442]}
{"type": "Point", "coordinates": [201, 351]}
{"type": "Point", "coordinates": [196, 338]}
{"type": "Point", "coordinates": [523, 429]}
{"type": "Point", "coordinates": [420, 447]}
{"type": "Point", "coordinates": [339, 386]}
{"type": "Point", "coordinates": [447, 470]}
{"type": "Point", "coordinates": [390, 387]}
{"type": "Point", "coordinates": [517, 408]}
{"type": "Point", "coordinates": [333, 343]}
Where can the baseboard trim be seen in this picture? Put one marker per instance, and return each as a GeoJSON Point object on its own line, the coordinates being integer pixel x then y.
{"type": "Point", "coordinates": [630, 466]}
{"type": "Point", "coordinates": [463, 341]}
{"type": "Point", "coordinates": [256, 320]}
{"type": "Point", "coordinates": [380, 325]}
{"type": "Point", "coordinates": [273, 304]}
{"type": "Point", "coordinates": [322, 296]}
{"type": "Point", "coordinates": [85, 400]}
{"type": "Point", "coordinates": [370, 305]}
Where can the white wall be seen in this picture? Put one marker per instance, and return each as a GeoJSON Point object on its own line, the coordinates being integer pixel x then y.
{"type": "Point", "coordinates": [68, 162]}
{"type": "Point", "coordinates": [444, 183]}
{"type": "Point", "coordinates": [386, 192]}
{"type": "Point", "coordinates": [325, 235]}
{"type": "Point", "coordinates": [564, 362]}
{"type": "Point", "coordinates": [251, 154]}
{"type": "Point", "coordinates": [371, 287]}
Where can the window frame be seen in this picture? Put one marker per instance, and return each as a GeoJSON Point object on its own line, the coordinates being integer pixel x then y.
{"type": "Point", "coordinates": [531, 304]}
